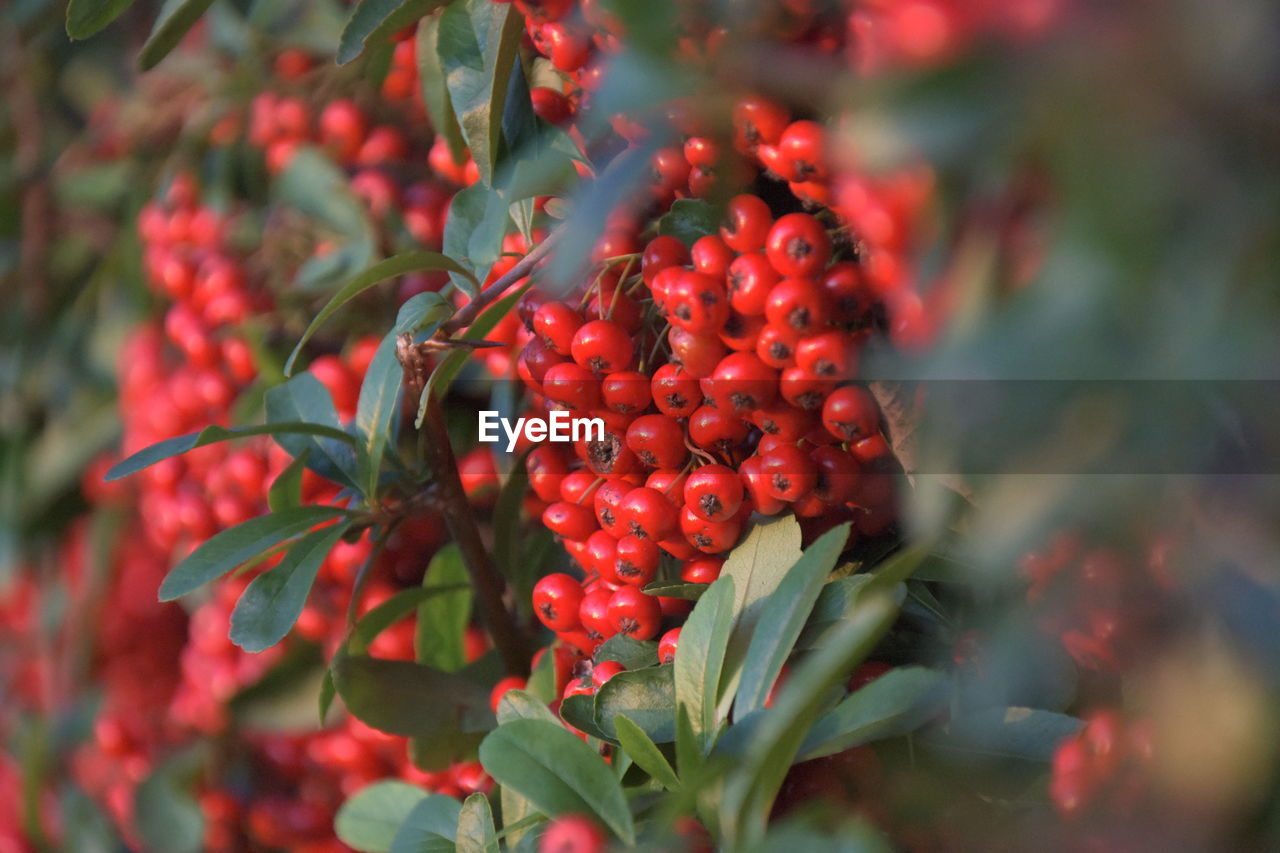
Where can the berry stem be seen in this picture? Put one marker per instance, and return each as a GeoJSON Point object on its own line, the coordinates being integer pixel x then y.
{"type": "Point", "coordinates": [469, 312]}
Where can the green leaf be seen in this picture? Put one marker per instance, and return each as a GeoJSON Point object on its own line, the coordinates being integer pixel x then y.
{"type": "Point", "coordinates": [677, 589]}
{"type": "Point", "coordinates": [784, 612]}
{"type": "Point", "coordinates": [303, 398]}
{"type": "Point", "coordinates": [271, 604]}
{"type": "Point", "coordinates": [628, 651]}
{"type": "Point", "coordinates": [506, 521]}
{"type": "Point", "coordinates": [166, 814]}
{"type": "Point", "coordinates": [700, 655]}
{"type": "Point", "coordinates": [286, 488]}
{"type": "Point", "coordinates": [476, 833]}
{"type": "Point", "coordinates": [557, 773]}
{"type": "Point", "coordinates": [228, 549]}
{"type": "Point", "coordinates": [776, 733]}
{"type": "Point", "coordinates": [691, 219]}
{"type": "Point", "coordinates": [371, 817]}
{"type": "Point", "coordinates": [646, 696]}
{"type": "Point", "coordinates": [435, 92]}
{"type": "Point", "coordinates": [396, 265]}
{"type": "Point", "coordinates": [645, 753]}
{"type": "Point", "coordinates": [834, 604]}
{"type": "Point", "coordinates": [314, 185]}
{"type": "Point", "coordinates": [211, 435]}
{"type": "Point", "coordinates": [86, 17]}
{"type": "Point", "coordinates": [478, 44]}
{"type": "Point", "coordinates": [378, 409]}
{"type": "Point", "coordinates": [419, 310]}
{"type": "Point", "coordinates": [519, 705]}
{"type": "Point", "coordinates": [443, 619]}
{"type": "Point", "coordinates": [374, 21]}
{"type": "Point", "coordinates": [1027, 734]}
{"type": "Point", "coordinates": [391, 611]}
{"type": "Point", "coordinates": [462, 228]}
{"type": "Point", "coordinates": [408, 699]}
{"type": "Point", "coordinates": [897, 702]}
{"type": "Point", "coordinates": [175, 19]}
{"type": "Point", "coordinates": [429, 828]}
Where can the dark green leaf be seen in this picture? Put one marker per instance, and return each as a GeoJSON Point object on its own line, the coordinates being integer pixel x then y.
{"type": "Point", "coordinates": [391, 611]}
{"type": "Point", "coordinates": [700, 654]}
{"type": "Point", "coordinates": [897, 702]}
{"type": "Point", "coordinates": [429, 828]}
{"type": "Point", "coordinates": [211, 435]}
{"type": "Point", "coordinates": [478, 44]}
{"type": "Point", "coordinates": [691, 219]}
{"type": "Point", "coordinates": [312, 184]}
{"type": "Point", "coordinates": [476, 833]}
{"type": "Point", "coordinates": [645, 753]}
{"type": "Point", "coordinates": [373, 21]}
{"type": "Point", "coordinates": [408, 699]}
{"type": "Point", "coordinates": [461, 227]}
{"type": "Point", "coordinates": [1028, 734]}
{"type": "Point", "coordinates": [286, 488]}
{"type": "Point", "coordinates": [506, 521]}
{"type": "Point", "coordinates": [435, 92]}
{"type": "Point", "coordinates": [378, 410]}
{"type": "Point", "coordinates": [784, 612]}
{"type": "Point", "coordinates": [646, 696]}
{"type": "Point", "coordinates": [303, 398]}
{"type": "Point", "coordinates": [371, 817]}
{"type": "Point", "coordinates": [580, 712]}
{"type": "Point", "coordinates": [630, 652]}
{"type": "Point", "coordinates": [677, 589]}
{"type": "Point", "coordinates": [557, 773]}
{"type": "Point", "coordinates": [392, 267]}
{"type": "Point", "coordinates": [176, 18]}
{"type": "Point", "coordinates": [228, 549]}
{"type": "Point", "coordinates": [443, 619]}
{"type": "Point", "coordinates": [271, 604]}
{"type": "Point", "coordinates": [834, 604]}
{"type": "Point", "coordinates": [420, 310]}
{"type": "Point", "coordinates": [86, 17]}
{"type": "Point", "coordinates": [519, 705]}
{"type": "Point", "coordinates": [166, 814]}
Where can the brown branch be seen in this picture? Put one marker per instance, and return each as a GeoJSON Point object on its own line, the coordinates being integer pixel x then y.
{"type": "Point", "coordinates": [469, 312]}
{"type": "Point", "coordinates": [507, 637]}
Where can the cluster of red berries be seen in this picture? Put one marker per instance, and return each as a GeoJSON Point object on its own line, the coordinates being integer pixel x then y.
{"type": "Point", "coordinates": [1102, 603]}
{"type": "Point", "coordinates": [1102, 765]}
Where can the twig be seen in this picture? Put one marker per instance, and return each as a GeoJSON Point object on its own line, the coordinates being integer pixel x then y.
{"type": "Point", "coordinates": [507, 637]}
{"type": "Point", "coordinates": [469, 312]}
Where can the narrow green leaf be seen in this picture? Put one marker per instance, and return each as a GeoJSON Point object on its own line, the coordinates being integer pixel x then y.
{"type": "Point", "coordinates": [557, 773]}
{"type": "Point", "coordinates": [176, 18]}
{"type": "Point", "coordinates": [700, 654]}
{"type": "Point", "coordinates": [327, 693]}
{"type": "Point", "coordinates": [429, 828]}
{"type": "Point", "coordinates": [373, 21]}
{"type": "Point", "coordinates": [461, 226]}
{"type": "Point", "coordinates": [166, 814]}
{"type": "Point", "coordinates": [836, 601]}
{"type": "Point", "coordinates": [689, 754]}
{"type": "Point", "coordinates": [677, 589]}
{"type": "Point", "coordinates": [271, 604]}
{"type": "Point", "coordinates": [785, 612]}
{"type": "Point", "coordinates": [897, 702]}
{"type": "Point", "coordinates": [478, 44]}
{"type": "Point", "coordinates": [506, 520]}
{"type": "Point", "coordinates": [645, 753]}
{"type": "Point", "coordinates": [86, 17]}
{"type": "Point", "coordinates": [443, 618]}
{"type": "Point", "coordinates": [407, 699]}
{"type": "Point", "coordinates": [314, 185]}
{"type": "Point", "coordinates": [435, 92]}
{"type": "Point", "coordinates": [392, 267]}
{"type": "Point", "coordinates": [371, 817]}
{"type": "Point", "coordinates": [391, 611]}
{"type": "Point", "coordinates": [476, 833]}
{"type": "Point", "coordinates": [228, 549]}
{"type": "Point", "coordinates": [378, 408]}
{"type": "Point", "coordinates": [211, 435]}
{"type": "Point", "coordinates": [519, 705]}
{"type": "Point", "coordinates": [303, 398]}
{"type": "Point", "coordinates": [286, 488]}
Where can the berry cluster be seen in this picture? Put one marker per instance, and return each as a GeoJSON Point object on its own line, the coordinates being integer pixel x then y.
{"type": "Point", "coordinates": [1102, 765]}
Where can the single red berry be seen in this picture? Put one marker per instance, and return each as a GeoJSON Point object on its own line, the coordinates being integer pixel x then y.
{"type": "Point", "coordinates": [750, 278]}
{"type": "Point", "coordinates": [626, 391]}
{"type": "Point", "coordinates": [711, 256]}
{"type": "Point", "coordinates": [577, 487]}
{"type": "Point", "coordinates": [556, 600]}
{"type": "Point", "coordinates": [713, 492]}
{"type": "Point", "coordinates": [557, 323]}
{"type": "Point", "coordinates": [717, 430]}
{"type": "Point", "coordinates": [702, 151]}
{"type": "Point", "coordinates": [601, 555]}
{"type": "Point", "coordinates": [744, 383]}
{"type": "Point", "coordinates": [547, 469]}
{"type": "Point", "coordinates": [511, 682]}
{"type": "Point", "coordinates": [753, 478]}
{"type": "Point", "coordinates": [667, 646]}
{"type": "Point", "coordinates": [602, 346]}
{"type": "Point", "coordinates": [636, 560]}
{"type": "Point", "coordinates": [675, 392]}
{"type": "Point", "coordinates": [850, 413]}
{"type": "Point", "coordinates": [789, 473]}
{"type": "Point", "coordinates": [838, 473]}
{"type": "Point", "coordinates": [572, 834]}
{"type": "Point", "coordinates": [758, 121]}
{"type": "Point", "coordinates": [593, 612]}
{"type": "Point", "coordinates": [830, 354]}
{"type": "Point", "coordinates": [608, 456]}
{"type": "Point", "coordinates": [572, 521]}
{"type": "Point", "coordinates": [747, 222]}
{"type": "Point", "coordinates": [799, 304]}
{"type": "Point", "coordinates": [607, 503]}
{"type": "Point", "coordinates": [777, 344]}
{"type": "Point", "coordinates": [661, 253]}
{"type": "Point", "coordinates": [572, 386]}
{"type": "Point", "coordinates": [701, 569]}
{"type": "Point", "coordinates": [697, 303]}
{"type": "Point", "coordinates": [784, 422]}
{"type": "Point", "coordinates": [670, 482]}
{"type": "Point", "coordinates": [567, 47]}
{"type": "Point", "coordinates": [709, 537]}
{"type": "Point", "coordinates": [697, 354]}
{"type": "Point", "coordinates": [605, 670]}
{"type": "Point", "coordinates": [741, 332]}
{"type": "Point", "coordinates": [635, 614]}
{"type": "Point", "coordinates": [658, 441]}
{"type": "Point", "coordinates": [670, 172]}
{"type": "Point", "coordinates": [798, 245]}
{"type": "Point", "coordinates": [803, 389]}
{"type": "Point", "coordinates": [802, 148]}
{"type": "Point", "coordinates": [848, 292]}
{"type": "Point", "coordinates": [549, 105]}
{"type": "Point", "coordinates": [648, 512]}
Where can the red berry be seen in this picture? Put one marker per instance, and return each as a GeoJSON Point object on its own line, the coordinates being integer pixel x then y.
{"type": "Point", "coordinates": [648, 512]}
{"type": "Point", "coordinates": [838, 473]}
{"type": "Point", "coordinates": [801, 148]}
{"type": "Point", "coordinates": [758, 121]}
{"type": "Point", "coordinates": [762, 499]}
{"type": "Point", "coordinates": [601, 554]}
{"type": "Point", "coordinates": [713, 492]}
{"type": "Point", "coordinates": [659, 254]}
{"type": "Point", "coordinates": [556, 323]}
{"type": "Point", "coordinates": [799, 304]}
{"type": "Point", "coordinates": [789, 474]}
{"type": "Point", "coordinates": [710, 537]}
{"type": "Point", "coordinates": [549, 105]}
{"type": "Point", "coordinates": [572, 521]}
{"type": "Point", "coordinates": [697, 354]}
{"type": "Point", "coordinates": [636, 560]}
{"type": "Point", "coordinates": [658, 441]}
{"type": "Point", "coordinates": [557, 599]}
{"type": "Point", "coordinates": [602, 346]}
{"type": "Point", "coordinates": [701, 570]}
{"type": "Point", "coordinates": [572, 386]}
{"type": "Point", "coordinates": [711, 256]}
{"type": "Point", "coordinates": [803, 389]}
{"type": "Point", "coordinates": [744, 382]}
{"type": "Point", "coordinates": [697, 303]}
{"type": "Point", "coordinates": [830, 354]}
{"type": "Point", "coordinates": [547, 469]}
{"type": "Point", "coordinates": [511, 682]}
{"type": "Point", "coordinates": [675, 392]}
{"type": "Point", "coordinates": [593, 612]}
{"type": "Point", "coordinates": [634, 614]}
{"type": "Point", "coordinates": [572, 834]}
{"type": "Point", "coordinates": [667, 646]}
{"type": "Point", "coordinates": [798, 245]}
{"type": "Point", "coordinates": [747, 223]}
{"type": "Point", "coordinates": [605, 670]}
{"type": "Point", "coordinates": [776, 345]}
{"type": "Point", "coordinates": [626, 391]}
{"type": "Point", "coordinates": [608, 502]}
{"type": "Point", "coordinates": [851, 414]}
{"type": "Point", "coordinates": [716, 430]}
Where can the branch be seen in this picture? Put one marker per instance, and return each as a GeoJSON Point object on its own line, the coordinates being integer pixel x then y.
{"type": "Point", "coordinates": [469, 312]}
